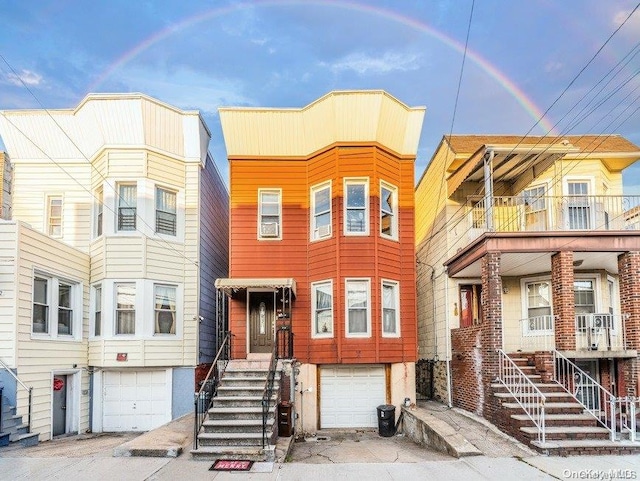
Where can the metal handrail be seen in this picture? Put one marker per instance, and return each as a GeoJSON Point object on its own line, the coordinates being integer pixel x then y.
{"type": "Point", "coordinates": [27, 388]}
{"type": "Point", "coordinates": [537, 333]}
{"type": "Point", "coordinates": [628, 408]}
{"type": "Point", "coordinates": [524, 391]}
{"type": "Point", "coordinates": [268, 392]}
{"type": "Point", "coordinates": [567, 373]}
{"type": "Point", "coordinates": [204, 397]}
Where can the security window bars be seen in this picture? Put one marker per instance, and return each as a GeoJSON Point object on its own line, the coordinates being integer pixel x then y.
{"type": "Point", "coordinates": [322, 293]}
{"type": "Point", "coordinates": [127, 207]}
{"type": "Point", "coordinates": [125, 308]}
{"type": "Point", "coordinates": [165, 309]}
{"type": "Point", "coordinates": [579, 208]}
{"type": "Point", "coordinates": [165, 211]}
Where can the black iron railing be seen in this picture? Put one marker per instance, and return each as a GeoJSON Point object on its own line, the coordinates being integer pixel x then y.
{"type": "Point", "coordinates": [204, 397]}
{"type": "Point", "coordinates": [268, 393]}
{"type": "Point", "coordinates": [284, 341]}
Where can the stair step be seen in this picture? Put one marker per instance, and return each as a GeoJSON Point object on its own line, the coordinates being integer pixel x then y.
{"type": "Point", "coordinates": [250, 453]}
{"type": "Point", "coordinates": [577, 446]}
{"type": "Point", "coordinates": [27, 439]}
{"type": "Point", "coordinates": [550, 407]}
{"type": "Point", "coordinates": [236, 425]}
{"type": "Point", "coordinates": [551, 387]}
{"type": "Point", "coordinates": [230, 439]}
{"type": "Point", "coordinates": [560, 419]}
{"type": "Point", "coordinates": [570, 433]}
{"type": "Point", "coordinates": [549, 395]}
{"type": "Point", "coordinates": [234, 412]}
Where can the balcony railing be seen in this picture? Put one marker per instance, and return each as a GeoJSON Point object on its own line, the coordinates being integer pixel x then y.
{"type": "Point", "coordinates": [549, 213]}
{"type": "Point", "coordinates": [594, 332]}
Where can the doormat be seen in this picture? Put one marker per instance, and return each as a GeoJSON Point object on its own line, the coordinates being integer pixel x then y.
{"type": "Point", "coordinates": [231, 465]}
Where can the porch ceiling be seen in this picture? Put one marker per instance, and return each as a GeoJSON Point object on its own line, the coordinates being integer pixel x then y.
{"type": "Point", "coordinates": [231, 286]}
{"type": "Point", "coordinates": [531, 253]}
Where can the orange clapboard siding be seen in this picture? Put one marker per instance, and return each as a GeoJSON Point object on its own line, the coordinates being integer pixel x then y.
{"type": "Point", "coordinates": [336, 258]}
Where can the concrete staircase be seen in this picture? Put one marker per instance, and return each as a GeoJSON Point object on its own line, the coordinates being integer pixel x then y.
{"type": "Point", "coordinates": [569, 429]}
{"type": "Point", "coordinates": [14, 430]}
{"type": "Point", "coordinates": [233, 427]}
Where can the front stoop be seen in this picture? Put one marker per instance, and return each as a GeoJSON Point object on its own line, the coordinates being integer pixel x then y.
{"type": "Point", "coordinates": [569, 429]}
{"type": "Point", "coordinates": [14, 430]}
{"type": "Point", "coordinates": [233, 427]}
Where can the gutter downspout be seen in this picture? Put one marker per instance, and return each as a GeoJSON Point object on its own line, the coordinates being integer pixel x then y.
{"type": "Point", "coordinates": [488, 189]}
{"type": "Point", "coordinates": [447, 343]}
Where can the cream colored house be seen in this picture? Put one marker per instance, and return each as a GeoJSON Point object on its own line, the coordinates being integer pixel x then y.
{"type": "Point", "coordinates": [5, 186]}
{"type": "Point", "coordinates": [126, 181]}
{"type": "Point", "coordinates": [528, 246]}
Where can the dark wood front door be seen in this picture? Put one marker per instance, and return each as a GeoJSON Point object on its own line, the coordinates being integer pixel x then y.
{"type": "Point", "coordinates": [261, 321]}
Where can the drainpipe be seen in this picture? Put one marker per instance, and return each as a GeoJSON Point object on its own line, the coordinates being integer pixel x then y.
{"type": "Point", "coordinates": [488, 188]}
{"type": "Point", "coordinates": [447, 343]}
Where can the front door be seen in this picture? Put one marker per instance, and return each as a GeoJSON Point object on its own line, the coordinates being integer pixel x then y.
{"type": "Point", "coordinates": [261, 321]}
{"type": "Point", "coordinates": [59, 404]}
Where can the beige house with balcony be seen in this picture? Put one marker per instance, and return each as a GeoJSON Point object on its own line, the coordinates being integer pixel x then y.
{"type": "Point", "coordinates": [120, 227]}
{"type": "Point", "coordinates": [528, 254]}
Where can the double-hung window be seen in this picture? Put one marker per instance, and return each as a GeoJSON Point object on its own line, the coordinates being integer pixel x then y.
{"type": "Point", "coordinates": [358, 308]}
{"type": "Point", "coordinates": [322, 310]}
{"type": "Point", "coordinates": [269, 213]}
{"type": "Point", "coordinates": [97, 311]}
{"type": "Point", "coordinates": [539, 316]}
{"type": "Point", "coordinates": [388, 211]}
{"type": "Point", "coordinates": [56, 307]}
{"type": "Point", "coordinates": [127, 207]}
{"type": "Point", "coordinates": [321, 211]}
{"type": "Point", "coordinates": [390, 309]}
{"type": "Point", "coordinates": [579, 208]}
{"type": "Point", "coordinates": [165, 211]}
{"type": "Point", "coordinates": [54, 215]}
{"type": "Point", "coordinates": [356, 206]}
{"type": "Point", "coordinates": [99, 209]}
{"type": "Point", "coordinates": [165, 309]}
{"type": "Point", "coordinates": [125, 309]}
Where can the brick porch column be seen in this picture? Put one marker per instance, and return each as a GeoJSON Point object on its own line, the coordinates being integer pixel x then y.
{"type": "Point", "coordinates": [491, 300]}
{"type": "Point", "coordinates": [629, 277]}
{"type": "Point", "coordinates": [563, 300]}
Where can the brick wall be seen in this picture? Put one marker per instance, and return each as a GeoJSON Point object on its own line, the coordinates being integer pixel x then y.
{"type": "Point", "coordinates": [563, 300]}
{"type": "Point", "coordinates": [629, 272]}
{"type": "Point", "coordinates": [466, 369]}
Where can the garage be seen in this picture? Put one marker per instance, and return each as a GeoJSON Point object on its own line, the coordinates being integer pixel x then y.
{"type": "Point", "coordinates": [349, 396]}
{"type": "Point", "coordinates": [135, 400]}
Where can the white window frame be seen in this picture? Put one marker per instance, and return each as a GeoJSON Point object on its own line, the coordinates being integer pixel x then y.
{"type": "Point", "coordinates": [347, 281]}
{"type": "Point", "coordinates": [115, 309]}
{"type": "Point", "coordinates": [53, 308]}
{"type": "Point", "coordinates": [394, 214]}
{"type": "Point", "coordinates": [49, 218]}
{"type": "Point", "coordinates": [119, 200]}
{"type": "Point", "coordinates": [356, 181]}
{"type": "Point", "coordinates": [278, 192]}
{"type": "Point", "coordinates": [97, 293]}
{"type": "Point", "coordinates": [314, 333]}
{"type": "Point", "coordinates": [396, 286]}
{"type": "Point", "coordinates": [314, 230]}
{"type": "Point", "coordinates": [156, 311]}
{"type": "Point", "coordinates": [98, 213]}
{"type": "Point", "coordinates": [525, 304]}
{"type": "Point", "coordinates": [156, 211]}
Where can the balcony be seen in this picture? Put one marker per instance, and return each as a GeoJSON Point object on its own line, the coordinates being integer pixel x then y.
{"type": "Point", "coordinates": [554, 213]}
{"type": "Point", "coordinates": [594, 333]}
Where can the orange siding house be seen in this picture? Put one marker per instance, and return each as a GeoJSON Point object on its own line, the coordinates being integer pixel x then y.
{"type": "Point", "coordinates": [321, 245]}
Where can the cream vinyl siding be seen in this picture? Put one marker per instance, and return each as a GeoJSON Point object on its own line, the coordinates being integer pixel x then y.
{"type": "Point", "coordinates": [347, 116]}
{"type": "Point", "coordinates": [8, 284]}
{"type": "Point", "coordinates": [36, 357]}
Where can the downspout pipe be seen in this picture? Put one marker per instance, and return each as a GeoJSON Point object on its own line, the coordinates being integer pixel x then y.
{"type": "Point", "coordinates": [447, 342]}
{"type": "Point", "coordinates": [488, 188]}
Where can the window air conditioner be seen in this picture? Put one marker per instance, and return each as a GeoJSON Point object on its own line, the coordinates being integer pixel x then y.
{"type": "Point", "coordinates": [323, 231]}
{"type": "Point", "coordinates": [269, 229]}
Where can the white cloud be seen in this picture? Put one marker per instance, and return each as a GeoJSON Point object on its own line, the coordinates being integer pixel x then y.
{"type": "Point", "coordinates": [26, 76]}
{"type": "Point", "coordinates": [633, 24]}
{"type": "Point", "coordinates": [553, 66]}
{"type": "Point", "coordinates": [362, 63]}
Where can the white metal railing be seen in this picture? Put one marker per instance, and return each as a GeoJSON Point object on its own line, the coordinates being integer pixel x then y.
{"type": "Point", "coordinates": [595, 399]}
{"type": "Point", "coordinates": [526, 394]}
{"type": "Point", "coordinates": [543, 213]}
{"type": "Point", "coordinates": [601, 332]}
{"type": "Point", "coordinates": [26, 388]}
{"type": "Point", "coordinates": [627, 409]}
{"type": "Point", "coordinates": [537, 333]}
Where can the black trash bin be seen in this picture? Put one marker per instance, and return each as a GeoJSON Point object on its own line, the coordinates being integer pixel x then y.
{"type": "Point", "coordinates": [386, 420]}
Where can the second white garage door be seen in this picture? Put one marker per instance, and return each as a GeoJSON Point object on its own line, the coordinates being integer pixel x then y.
{"type": "Point", "coordinates": [135, 400]}
{"type": "Point", "coordinates": [350, 395]}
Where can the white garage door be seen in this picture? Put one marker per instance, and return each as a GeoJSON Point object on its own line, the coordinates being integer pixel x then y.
{"type": "Point", "coordinates": [349, 396]}
{"type": "Point", "coordinates": [135, 400]}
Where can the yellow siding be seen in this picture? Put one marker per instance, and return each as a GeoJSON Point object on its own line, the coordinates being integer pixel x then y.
{"type": "Point", "coordinates": [123, 257]}
{"type": "Point", "coordinates": [126, 164]}
{"type": "Point", "coordinates": [8, 234]}
{"type": "Point", "coordinates": [167, 171]}
{"type": "Point", "coordinates": [162, 128]}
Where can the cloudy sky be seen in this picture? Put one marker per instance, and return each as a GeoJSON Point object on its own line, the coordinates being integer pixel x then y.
{"type": "Point", "coordinates": [202, 54]}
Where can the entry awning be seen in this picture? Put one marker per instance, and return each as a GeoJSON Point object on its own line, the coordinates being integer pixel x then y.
{"type": "Point", "coordinates": [234, 285]}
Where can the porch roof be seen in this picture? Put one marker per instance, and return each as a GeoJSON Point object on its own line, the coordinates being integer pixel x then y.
{"type": "Point", "coordinates": [233, 285]}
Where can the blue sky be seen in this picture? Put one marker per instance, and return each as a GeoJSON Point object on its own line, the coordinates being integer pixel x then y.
{"type": "Point", "coordinates": [206, 54]}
